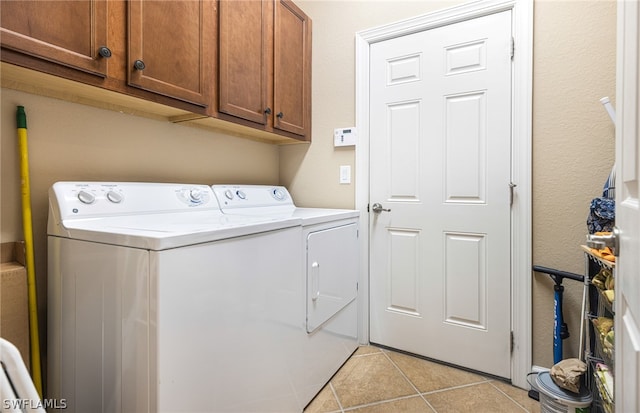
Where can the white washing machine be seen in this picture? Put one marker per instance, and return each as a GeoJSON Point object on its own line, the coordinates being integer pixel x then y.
{"type": "Point", "coordinates": [330, 256]}
{"type": "Point", "coordinates": [158, 302]}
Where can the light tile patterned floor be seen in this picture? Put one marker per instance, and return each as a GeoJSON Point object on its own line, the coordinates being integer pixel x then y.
{"type": "Point", "coordinates": [376, 380]}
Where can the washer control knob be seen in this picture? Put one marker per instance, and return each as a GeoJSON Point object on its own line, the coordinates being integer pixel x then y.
{"type": "Point", "coordinates": [279, 194]}
{"type": "Point", "coordinates": [241, 194]}
{"type": "Point", "coordinates": [195, 195]}
{"type": "Point", "coordinates": [229, 194]}
{"type": "Point", "coordinates": [115, 197]}
{"type": "Point", "coordinates": [86, 197]}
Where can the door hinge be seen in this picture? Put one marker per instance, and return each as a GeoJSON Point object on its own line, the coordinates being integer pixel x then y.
{"type": "Point", "coordinates": [512, 343]}
{"type": "Point", "coordinates": [513, 47]}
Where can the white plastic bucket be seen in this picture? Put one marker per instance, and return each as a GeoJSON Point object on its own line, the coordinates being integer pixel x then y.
{"type": "Point", "coordinates": [555, 399]}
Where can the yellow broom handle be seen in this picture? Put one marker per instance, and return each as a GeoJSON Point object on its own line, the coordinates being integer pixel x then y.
{"type": "Point", "coordinates": [21, 118]}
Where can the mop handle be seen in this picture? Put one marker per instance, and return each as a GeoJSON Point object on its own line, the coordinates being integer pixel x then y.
{"type": "Point", "coordinates": [21, 119]}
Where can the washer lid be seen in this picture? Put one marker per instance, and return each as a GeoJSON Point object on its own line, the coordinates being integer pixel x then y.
{"type": "Point", "coordinates": [547, 386]}
{"type": "Point", "coordinates": [168, 230]}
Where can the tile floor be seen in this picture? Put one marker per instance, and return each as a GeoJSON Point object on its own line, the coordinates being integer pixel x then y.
{"type": "Point", "coordinates": [376, 380]}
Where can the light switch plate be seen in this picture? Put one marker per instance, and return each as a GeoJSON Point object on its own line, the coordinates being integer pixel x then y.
{"type": "Point", "coordinates": [345, 174]}
{"type": "Point", "coordinates": [345, 136]}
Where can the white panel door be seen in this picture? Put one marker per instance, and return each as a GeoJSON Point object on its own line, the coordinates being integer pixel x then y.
{"type": "Point", "coordinates": [440, 151]}
{"type": "Point", "coordinates": [627, 302]}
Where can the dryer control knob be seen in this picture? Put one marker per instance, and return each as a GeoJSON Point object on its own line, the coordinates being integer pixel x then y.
{"type": "Point", "coordinates": [241, 194]}
{"type": "Point", "coordinates": [279, 194]}
{"type": "Point", "coordinates": [115, 197]}
{"type": "Point", "coordinates": [229, 194]}
{"type": "Point", "coordinates": [86, 197]}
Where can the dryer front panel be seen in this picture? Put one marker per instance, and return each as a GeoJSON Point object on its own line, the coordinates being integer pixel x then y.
{"type": "Point", "coordinates": [332, 272]}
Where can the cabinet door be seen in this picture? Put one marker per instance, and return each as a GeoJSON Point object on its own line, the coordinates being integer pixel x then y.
{"type": "Point", "coordinates": [292, 69]}
{"type": "Point", "coordinates": [65, 32]}
{"type": "Point", "coordinates": [245, 58]}
{"type": "Point", "coordinates": [172, 47]}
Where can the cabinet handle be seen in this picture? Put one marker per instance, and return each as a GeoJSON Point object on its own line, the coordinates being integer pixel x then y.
{"type": "Point", "coordinates": [267, 111]}
{"type": "Point", "coordinates": [280, 115]}
{"type": "Point", "coordinates": [139, 65]}
{"type": "Point", "coordinates": [104, 51]}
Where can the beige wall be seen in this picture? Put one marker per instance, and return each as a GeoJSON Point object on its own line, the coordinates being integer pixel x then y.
{"type": "Point", "coordinates": [574, 65]}
{"type": "Point", "coordinates": [573, 146]}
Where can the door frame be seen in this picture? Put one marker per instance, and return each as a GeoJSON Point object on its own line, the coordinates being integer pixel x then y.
{"type": "Point", "coordinates": [521, 151]}
{"type": "Point", "coordinates": [626, 124]}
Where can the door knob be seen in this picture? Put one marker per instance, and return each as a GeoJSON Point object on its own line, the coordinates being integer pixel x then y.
{"type": "Point", "coordinates": [600, 241]}
{"type": "Point", "coordinates": [377, 208]}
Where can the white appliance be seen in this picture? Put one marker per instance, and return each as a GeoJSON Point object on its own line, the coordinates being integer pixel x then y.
{"type": "Point", "coordinates": [158, 302]}
{"type": "Point", "coordinates": [330, 255]}
{"type": "Point", "coordinates": [17, 391]}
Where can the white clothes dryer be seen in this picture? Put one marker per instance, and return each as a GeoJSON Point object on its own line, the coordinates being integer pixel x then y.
{"type": "Point", "coordinates": [330, 270]}
{"type": "Point", "coordinates": [158, 302]}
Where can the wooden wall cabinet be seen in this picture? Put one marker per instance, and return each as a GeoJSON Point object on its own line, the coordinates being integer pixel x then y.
{"type": "Point", "coordinates": [163, 48]}
{"type": "Point", "coordinates": [70, 33]}
{"type": "Point", "coordinates": [237, 65]}
{"type": "Point", "coordinates": [265, 65]}
{"type": "Point", "coordinates": [172, 48]}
